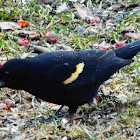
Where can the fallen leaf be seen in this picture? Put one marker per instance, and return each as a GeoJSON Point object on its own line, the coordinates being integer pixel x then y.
{"type": "Point", "coordinates": [9, 25]}
{"type": "Point", "coordinates": [24, 32]}
{"type": "Point", "coordinates": [128, 29]}
{"type": "Point", "coordinates": [62, 8]}
{"type": "Point", "coordinates": [83, 12]}
{"type": "Point", "coordinates": [122, 97]}
{"type": "Point", "coordinates": [64, 47]}
{"type": "Point", "coordinates": [133, 35]}
{"type": "Point", "coordinates": [40, 49]}
{"type": "Point", "coordinates": [23, 42]}
{"type": "Point", "coordinates": [22, 23]}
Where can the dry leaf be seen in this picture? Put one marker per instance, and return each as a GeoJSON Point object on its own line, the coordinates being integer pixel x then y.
{"type": "Point", "coordinates": [133, 35]}
{"type": "Point", "coordinates": [64, 47]}
{"type": "Point", "coordinates": [24, 32]}
{"type": "Point", "coordinates": [9, 25]}
{"type": "Point", "coordinates": [22, 22]}
{"type": "Point", "coordinates": [128, 29]}
{"type": "Point", "coordinates": [62, 8]}
{"type": "Point", "coordinates": [83, 12]}
{"type": "Point", "coordinates": [40, 49]}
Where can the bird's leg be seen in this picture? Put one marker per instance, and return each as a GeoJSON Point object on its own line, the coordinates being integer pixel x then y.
{"type": "Point", "coordinates": [72, 114]}
{"type": "Point", "coordinates": [58, 111]}
{"type": "Point", "coordinates": [61, 115]}
{"type": "Point", "coordinates": [57, 115]}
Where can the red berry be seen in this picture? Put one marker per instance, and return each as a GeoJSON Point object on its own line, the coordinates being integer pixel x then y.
{"type": "Point", "coordinates": [126, 35]}
{"type": "Point", "coordinates": [95, 20]}
{"type": "Point", "coordinates": [96, 99]}
{"type": "Point", "coordinates": [51, 36]}
{"type": "Point", "coordinates": [10, 103]}
{"type": "Point", "coordinates": [3, 106]}
{"type": "Point", "coordinates": [104, 48]}
{"type": "Point", "coordinates": [119, 44]}
{"type": "Point", "coordinates": [23, 42]}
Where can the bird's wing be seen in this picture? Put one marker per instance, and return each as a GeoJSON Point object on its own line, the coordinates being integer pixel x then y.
{"type": "Point", "coordinates": [75, 70]}
{"type": "Point", "coordinates": [60, 72]}
{"type": "Point", "coordinates": [98, 66]}
{"type": "Point", "coordinates": [90, 67]}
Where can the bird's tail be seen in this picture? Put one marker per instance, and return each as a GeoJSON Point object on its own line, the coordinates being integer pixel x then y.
{"type": "Point", "coordinates": [128, 51]}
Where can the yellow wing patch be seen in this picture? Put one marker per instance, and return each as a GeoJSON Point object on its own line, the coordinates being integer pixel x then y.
{"type": "Point", "coordinates": [74, 76]}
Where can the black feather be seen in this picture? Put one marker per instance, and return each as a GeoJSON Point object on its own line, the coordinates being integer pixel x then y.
{"type": "Point", "coordinates": [44, 75]}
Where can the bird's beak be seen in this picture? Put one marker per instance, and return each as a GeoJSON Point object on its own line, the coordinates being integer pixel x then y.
{"type": "Point", "coordinates": [2, 84]}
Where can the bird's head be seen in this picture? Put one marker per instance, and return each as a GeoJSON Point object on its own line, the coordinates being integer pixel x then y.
{"type": "Point", "coordinates": [12, 73]}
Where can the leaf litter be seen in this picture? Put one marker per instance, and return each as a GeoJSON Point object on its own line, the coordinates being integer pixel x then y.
{"type": "Point", "coordinates": [116, 113]}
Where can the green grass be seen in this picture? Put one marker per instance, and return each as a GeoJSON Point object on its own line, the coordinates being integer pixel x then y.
{"type": "Point", "coordinates": [41, 19]}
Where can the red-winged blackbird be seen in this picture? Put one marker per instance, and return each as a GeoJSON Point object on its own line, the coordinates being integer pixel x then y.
{"type": "Point", "coordinates": [69, 78]}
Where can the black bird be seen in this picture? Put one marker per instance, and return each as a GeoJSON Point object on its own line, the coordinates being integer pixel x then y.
{"type": "Point", "coordinates": [69, 78]}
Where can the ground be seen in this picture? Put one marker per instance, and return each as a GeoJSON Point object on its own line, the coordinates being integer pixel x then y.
{"type": "Point", "coordinates": [32, 27]}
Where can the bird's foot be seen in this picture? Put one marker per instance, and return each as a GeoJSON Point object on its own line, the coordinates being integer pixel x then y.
{"type": "Point", "coordinates": [43, 118]}
{"type": "Point", "coordinates": [71, 118]}
{"type": "Point", "coordinates": [57, 117]}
